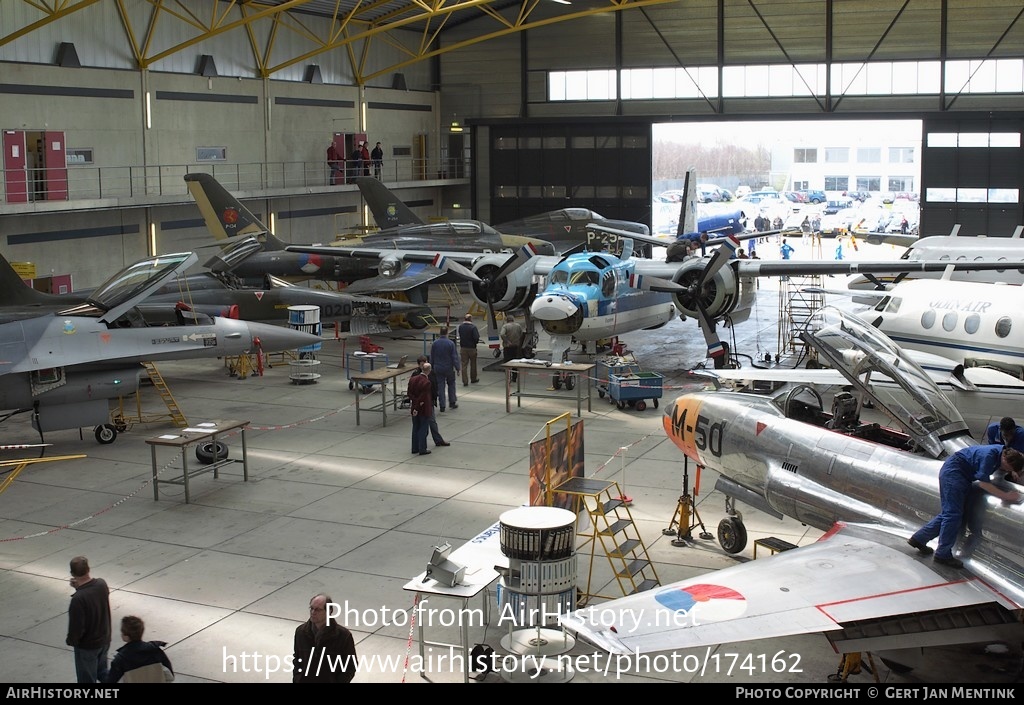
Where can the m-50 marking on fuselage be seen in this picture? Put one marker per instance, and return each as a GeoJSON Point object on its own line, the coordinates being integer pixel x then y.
{"type": "Point", "coordinates": [702, 433]}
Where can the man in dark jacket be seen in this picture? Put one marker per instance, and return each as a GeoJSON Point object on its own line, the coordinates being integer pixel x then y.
{"type": "Point", "coordinates": [421, 406]}
{"type": "Point", "coordinates": [137, 653]}
{"type": "Point", "coordinates": [377, 157]}
{"type": "Point", "coordinates": [469, 337]}
{"type": "Point", "coordinates": [423, 367]}
{"type": "Point", "coordinates": [334, 161]}
{"type": "Point", "coordinates": [319, 637]}
{"type": "Point", "coordinates": [89, 623]}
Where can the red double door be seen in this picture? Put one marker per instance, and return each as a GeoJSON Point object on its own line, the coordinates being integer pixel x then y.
{"type": "Point", "coordinates": [40, 174]}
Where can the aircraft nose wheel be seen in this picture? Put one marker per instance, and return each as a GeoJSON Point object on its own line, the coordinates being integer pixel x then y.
{"type": "Point", "coordinates": [732, 534]}
{"type": "Point", "coordinates": [106, 433]}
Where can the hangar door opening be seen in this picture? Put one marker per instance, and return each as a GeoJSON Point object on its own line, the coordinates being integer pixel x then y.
{"type": "Point", "coordinates": [854, 175]}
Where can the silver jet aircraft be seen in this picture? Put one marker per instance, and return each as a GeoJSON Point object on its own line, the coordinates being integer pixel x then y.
{"type": "Point", "coordinates": [65, 358]}
{"type": "Point", "coordinates": [867, 485]}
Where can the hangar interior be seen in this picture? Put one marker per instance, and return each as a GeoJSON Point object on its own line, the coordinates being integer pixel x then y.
{"type": "Point", "coordinates": [133, 95]}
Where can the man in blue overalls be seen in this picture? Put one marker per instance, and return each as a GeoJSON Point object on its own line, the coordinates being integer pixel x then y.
{"type": "Point", "coordinates": [958, 474]}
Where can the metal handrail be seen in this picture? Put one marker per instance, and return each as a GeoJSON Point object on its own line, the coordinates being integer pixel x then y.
{"type": "Point", "coordinates": [166, 182]}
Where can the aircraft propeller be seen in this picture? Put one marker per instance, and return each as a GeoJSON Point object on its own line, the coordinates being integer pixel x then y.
{"type": "Point", "coordinates": [697, 293]}
{"type": "Point", "coordinates": [494, 282]}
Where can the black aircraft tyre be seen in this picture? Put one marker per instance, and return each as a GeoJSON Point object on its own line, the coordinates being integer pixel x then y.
{"type": "Point", "coordinates": [209, 451]}
{"type": "Point", "coordinates": [732, 535]}
{"type": "Point", "coordinates": [570, 382]}
{"type": "Point", "coordinates": [106, 434]}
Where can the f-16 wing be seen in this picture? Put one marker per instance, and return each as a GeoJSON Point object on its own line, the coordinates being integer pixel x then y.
{"type": "Point", "coordinates": [854, 573]}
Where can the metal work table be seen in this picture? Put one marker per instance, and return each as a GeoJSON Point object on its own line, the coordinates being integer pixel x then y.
{"type": "Point", "coordinates": [479, 556]}
{"type": "Point", "coordinates": [578, 373]}
{"type": "Point", "coordinates": [188, 437]}
{"type": "Point", "coordinates": [380, 377]}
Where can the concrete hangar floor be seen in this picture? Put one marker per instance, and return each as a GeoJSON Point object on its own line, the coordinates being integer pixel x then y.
{"type": "Point", "coordinates": [343, 508]}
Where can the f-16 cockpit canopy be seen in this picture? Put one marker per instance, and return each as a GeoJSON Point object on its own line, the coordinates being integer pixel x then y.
{"type": "Point", "coordinates": [132, 284]}
{"type": "Point", "coordinates": [864, 355]}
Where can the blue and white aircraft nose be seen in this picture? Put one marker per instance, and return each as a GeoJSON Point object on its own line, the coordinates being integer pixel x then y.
{"type": "Point", "coordinates": [553, 307]}
{"type": "Point", "coordinates": [558, 313]}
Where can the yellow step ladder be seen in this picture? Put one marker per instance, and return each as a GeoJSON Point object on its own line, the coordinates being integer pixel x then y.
{"type": "Point", "coordinates": [122, 420]}
{"type": "Point", "coordinates": [451, 293]}
{"type": "Point", "coordinates": [480, 311]}
{"type": "Point", "coordinates": [612, 533]}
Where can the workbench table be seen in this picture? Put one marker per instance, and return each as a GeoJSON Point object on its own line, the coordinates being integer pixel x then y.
{"type": "Point", "coordinates": [182, 440]}
{"type": "Point", "coordinates": [579, 373]}
{"type": "Point", "coordinates": [380, 377]}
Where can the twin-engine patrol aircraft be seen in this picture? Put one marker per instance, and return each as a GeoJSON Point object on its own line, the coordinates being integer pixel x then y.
{"type": "Point", "coordinates": [64, 358]}
{"type": "Point", "coordinates": [869, 487]}
{"type": "Point", "coordinates": [598, 305]}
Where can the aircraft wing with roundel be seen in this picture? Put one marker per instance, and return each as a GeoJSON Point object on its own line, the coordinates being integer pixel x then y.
{"type": "Point", "coordinates": [853, 573]}
{"type": "Point", "coordinates": [412, 276]}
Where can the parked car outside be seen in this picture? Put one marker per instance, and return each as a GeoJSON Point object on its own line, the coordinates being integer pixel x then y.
{"type": "Point", "coordinates": [833, 207]}
{"type": "Point", "coordinates": [814, 196]}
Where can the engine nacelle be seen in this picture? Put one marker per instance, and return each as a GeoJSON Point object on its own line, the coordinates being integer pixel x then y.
{"type": "Point", "coordinates": [507, 294]}
{"type": "Point", "coordinates": [719, 295]}
{"type": "Point", "coordinates": [389, 267]}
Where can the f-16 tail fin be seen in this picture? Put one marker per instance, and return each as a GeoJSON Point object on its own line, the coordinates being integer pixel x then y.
{"type": "Point", "coordinates": [388, 210]}
{"type": "Point", "coordinates": [14, 292]}
{"type": "Point", "coordinates": [688, 205]}
{"type": "Point", "coordinates": [225, 216]}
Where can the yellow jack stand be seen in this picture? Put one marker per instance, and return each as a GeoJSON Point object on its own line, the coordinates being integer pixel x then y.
{"type": "Point", "coordinates": [852, 664]}
{"type": "Point", "coordinates": [685, 511]}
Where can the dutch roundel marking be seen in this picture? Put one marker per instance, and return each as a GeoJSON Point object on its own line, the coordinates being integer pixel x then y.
{"type": "Point", "coordinates": [704, 602]}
